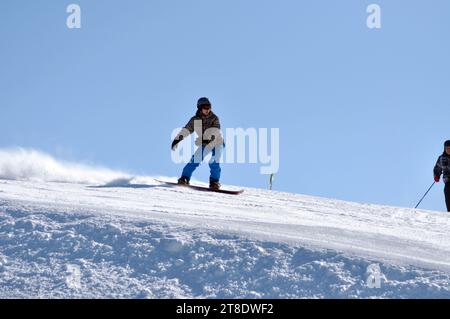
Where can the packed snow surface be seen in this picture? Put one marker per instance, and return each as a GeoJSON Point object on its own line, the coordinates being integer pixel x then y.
{"type": "Point", "coordinates": [77, 231]}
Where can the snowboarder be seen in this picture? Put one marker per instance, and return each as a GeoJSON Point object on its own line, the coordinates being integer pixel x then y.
{"type": "Point", "coordinates": [443, 167]}
{"type": "Point", "coordinates": [207, 126]}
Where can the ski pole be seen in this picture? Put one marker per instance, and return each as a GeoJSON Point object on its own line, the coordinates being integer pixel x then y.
{"type": "Point", "coordinates": [420, 201]}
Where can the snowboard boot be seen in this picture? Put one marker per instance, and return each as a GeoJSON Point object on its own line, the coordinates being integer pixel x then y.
{"type": "Point", "coordinates": [214, 184]}
{"type": "Point", "coordinates": [183, 180]}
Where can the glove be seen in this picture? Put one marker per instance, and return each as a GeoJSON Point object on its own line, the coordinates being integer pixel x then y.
{"type": "Point", "coordinates": [175, 142]}
{"type": "Point", "coordinates": [436, 179]}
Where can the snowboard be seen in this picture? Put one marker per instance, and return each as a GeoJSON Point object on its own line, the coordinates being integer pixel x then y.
{"type": "Point", "coordinates": [206, 189]}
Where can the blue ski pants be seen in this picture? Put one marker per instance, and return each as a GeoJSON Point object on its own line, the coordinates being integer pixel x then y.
{"type": "Point", "coordinates": [199, 156]}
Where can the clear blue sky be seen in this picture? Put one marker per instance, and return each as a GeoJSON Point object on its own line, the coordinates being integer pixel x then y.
{"type": "Point", "coordinates": [362, 113]}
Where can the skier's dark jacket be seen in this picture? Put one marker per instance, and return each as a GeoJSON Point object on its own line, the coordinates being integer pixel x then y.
{"type": "Point", "coordinates": [443, 167]}
{"type": "Point", "coordinates": [211, 121]}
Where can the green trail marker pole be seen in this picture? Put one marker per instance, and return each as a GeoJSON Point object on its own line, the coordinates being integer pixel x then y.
{"type": "Point", "coordinates": [272, 177]}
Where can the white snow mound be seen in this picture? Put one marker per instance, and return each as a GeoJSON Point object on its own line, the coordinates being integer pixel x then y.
{"type": "Point", "coordinates": [74, 231]}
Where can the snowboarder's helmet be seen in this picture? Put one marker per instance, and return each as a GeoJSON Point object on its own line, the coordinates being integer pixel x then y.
{"type": "Point", "coordinates": [447, 143]}
{"type": "Point", "coordinates": [203, 101]}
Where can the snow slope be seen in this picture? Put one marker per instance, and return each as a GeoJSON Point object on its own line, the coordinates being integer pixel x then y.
{"type": "Point", "coordinates": [68, 230]}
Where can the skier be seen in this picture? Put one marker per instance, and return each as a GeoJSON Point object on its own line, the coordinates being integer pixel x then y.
{"type": "Point", "coordinates": [207, 126]}
{"type": "Point", "coordinates": [443, 167]}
